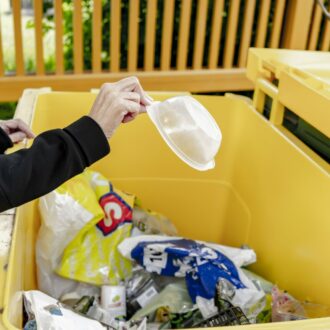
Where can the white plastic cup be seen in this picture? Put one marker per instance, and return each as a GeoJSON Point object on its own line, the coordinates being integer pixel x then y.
{"type": "Point", "coordinates": [113, 299]}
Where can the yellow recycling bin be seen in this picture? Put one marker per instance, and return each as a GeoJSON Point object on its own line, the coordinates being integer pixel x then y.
{"type": "Point", "coordinates": [268, 190]}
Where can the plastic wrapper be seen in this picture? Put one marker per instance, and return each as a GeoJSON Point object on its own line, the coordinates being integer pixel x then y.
{"type": "Point", "coordinates": [253, 311]}
{"type": "Point", "coordinates": [46, 313]}
{"type": "Point", "coordinates": [185, 320]}
{"type": "Point", "coordinates": [152, 223]}
{"type": "Point", "coordinates": [83, 304]}
{"type": "Point", "coordinates": [92, 256]}
{"type": "Point", "coordinates": [140, 290]}
{"type": "Point", "coordinates": [251, 302]}
{"type": "Point", "coordinates": [259, 281]}
{"type": "Point", "coordinates": [83, 221]}
{"type": "Point", "coordinates": [64, 212]}
{"type": "Point", "coordinates": [102, 315]}
{"type": "Point", "coordinates": [287, 308]}
{"type": "Point", "coordinates": [240, 257]}
{"type": "Point", "coordinates": [174, 298]}
{"type": "Point", "coordinates": [229, 315]}
{"type": "Point", "coordinates": [201, 264]}
{"type": "Point", "coordinates": [223, 302]}
{"type": "Point", "coordinates": [142, 287]}
{"type": "Point", "coordinates": [265, 316]}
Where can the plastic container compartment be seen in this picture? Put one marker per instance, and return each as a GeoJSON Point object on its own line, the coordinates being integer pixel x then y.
{"type": "Point", "coordinates": [268, 190]}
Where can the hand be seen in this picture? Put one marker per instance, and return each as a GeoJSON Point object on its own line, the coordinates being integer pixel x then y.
{"type": "Point", "coordinates": [118, 103]}
{"type": "Point", "coordinates": [17, 130]}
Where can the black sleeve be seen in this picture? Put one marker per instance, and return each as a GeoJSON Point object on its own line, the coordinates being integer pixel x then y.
{"type": "Point", "coordinates": [54, 157]}
{"type": "Point", "coordinates": [5, 141]}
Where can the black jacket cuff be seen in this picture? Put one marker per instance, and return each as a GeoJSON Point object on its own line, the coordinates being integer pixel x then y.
{"type": "Point", "coordinates": [5, 141]}
{"type": "Point", "coordinates": [90, 137]}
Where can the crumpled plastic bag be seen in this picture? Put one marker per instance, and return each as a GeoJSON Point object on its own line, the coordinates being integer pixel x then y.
{"type": "Point", "coordinates": [83, 221]}
{"type": "Point", "coordinates": [92, 256]}
{"type": "Point", "coordinates": [202, 264]}
{"type": "Point", "coordinates": [64, 212]}
{"type": "Point", "coordinates": [259, 281]}
{"type": "Point", "coordinates": [173, 297]}
{"type": "Point", "coordinates": [48, 314]}
{"type": "Point", "coordinates": [287, 308]}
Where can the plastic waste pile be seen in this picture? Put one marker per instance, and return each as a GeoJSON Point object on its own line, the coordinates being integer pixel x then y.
{"type": "Point", "coordinates": [106, 262]}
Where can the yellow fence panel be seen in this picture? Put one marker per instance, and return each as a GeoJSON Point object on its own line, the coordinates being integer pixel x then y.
{"type": "Point", "coordinates": [18, 37]}
{"type": "Point", "coordinates": [40, 68]}
{"type": "Point", "coordinates": [77, 38]}
{"type": "Point", "coordinates": [97, 35]}
{"type": "Point", "coordinates": [247, 32]}
{"type": "Point", "coordinates": [156, 39]}
{"type": "Point", "coordinates": [115, 35]}
{"type": "Point", "coordinates": [200, 34]}
{"type": "Point", "coordinates": [149, 53]}
{"type": "Point", "coordinates": [184, 34]}
{"type": "Point", "coordinates": [58, 37]}
{"type": "Point", "coordinates": [167, 35]}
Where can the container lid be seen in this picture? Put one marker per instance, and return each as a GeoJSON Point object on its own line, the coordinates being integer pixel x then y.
{"type": "Point", "coordinates": [188, 129]}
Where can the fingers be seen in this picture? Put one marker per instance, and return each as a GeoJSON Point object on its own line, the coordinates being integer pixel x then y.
{"type": "Point", "coordinates": [129, 117]}
{"type": "Point", "coordinates": [17, 136]}
{"type": "Point", "coordinates": [20, 125]}
{"type": "Point", "coordinates": [132, 84]}
{"type": "Point", "coordinates": [131, 107]}
{"type": "Point", "coordinates": [145, 98]}
{"type": "Point", "coordinates": [132, 96]}
{"type": "Point", "coordinates": [4, 127]}
{"type": "Point", "coordinates": [26, 129]}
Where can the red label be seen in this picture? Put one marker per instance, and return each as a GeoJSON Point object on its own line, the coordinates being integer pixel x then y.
{"type": "Point", "coordinates": [116, 212]}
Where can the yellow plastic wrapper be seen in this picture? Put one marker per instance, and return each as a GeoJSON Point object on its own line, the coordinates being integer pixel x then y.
{"type": "Point", "coordinates": [92, 256]}
{"type": "Point", "coordinates": [64, 212]}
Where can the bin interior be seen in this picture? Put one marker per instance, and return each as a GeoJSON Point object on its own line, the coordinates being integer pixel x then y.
{"type": "Point", "coordinates": [264, 192]}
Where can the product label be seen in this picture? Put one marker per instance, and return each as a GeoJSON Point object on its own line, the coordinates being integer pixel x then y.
{"type": "Point", "coordinates": [116, 211]}
{"type": "Point", "coordinates": [154, 259]}
{"type": "Point", "coordinates": [113, 300]}
{"type": "Point", "coordinates": [146, 296]}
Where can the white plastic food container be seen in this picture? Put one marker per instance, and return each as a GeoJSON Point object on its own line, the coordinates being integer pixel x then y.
{"type": "Point", "coordinates": [188, 129]}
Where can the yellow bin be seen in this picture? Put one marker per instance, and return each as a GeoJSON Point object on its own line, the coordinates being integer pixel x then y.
{"type": "Point", "coordinates": [268, 190]}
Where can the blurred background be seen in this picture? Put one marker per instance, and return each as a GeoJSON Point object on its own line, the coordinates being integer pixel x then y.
{"type": "Point", "coordinates": [192, 45]}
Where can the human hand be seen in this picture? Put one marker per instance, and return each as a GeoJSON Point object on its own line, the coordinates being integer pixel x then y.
{"type": "Point", "coordinates": [118, 103]}
{"type": "Point", "coordinates": [16, 129]}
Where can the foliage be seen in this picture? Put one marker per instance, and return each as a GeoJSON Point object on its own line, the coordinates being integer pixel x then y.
{"type": "Point", "coordinates": [87, 15]}
{"type": "Point", "coordinates": [7, 110]}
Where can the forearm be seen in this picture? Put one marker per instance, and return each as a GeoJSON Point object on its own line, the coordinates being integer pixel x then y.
{"type": "Point", "coordinates": [54, 157]}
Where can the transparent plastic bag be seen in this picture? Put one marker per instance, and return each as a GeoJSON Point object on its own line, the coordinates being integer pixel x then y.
{"type": "Point", "coordinates": [200, 263]}
{"type": "Point", "coordinates": [152, 223]}
{"type": "Point", "coordinates": [48, 314]}
{"type": "Point", "coordinates": [64, 212]}
{"type": "Point", "coordinates": [287, 308]}
{"type": "Point", "coordinates": [83, 221]}
{"type": "Point", "coordinates": [174, 297]}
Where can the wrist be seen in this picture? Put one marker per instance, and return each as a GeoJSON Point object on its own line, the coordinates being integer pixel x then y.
{"type": "Point", "coordinates": [99, 123]}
